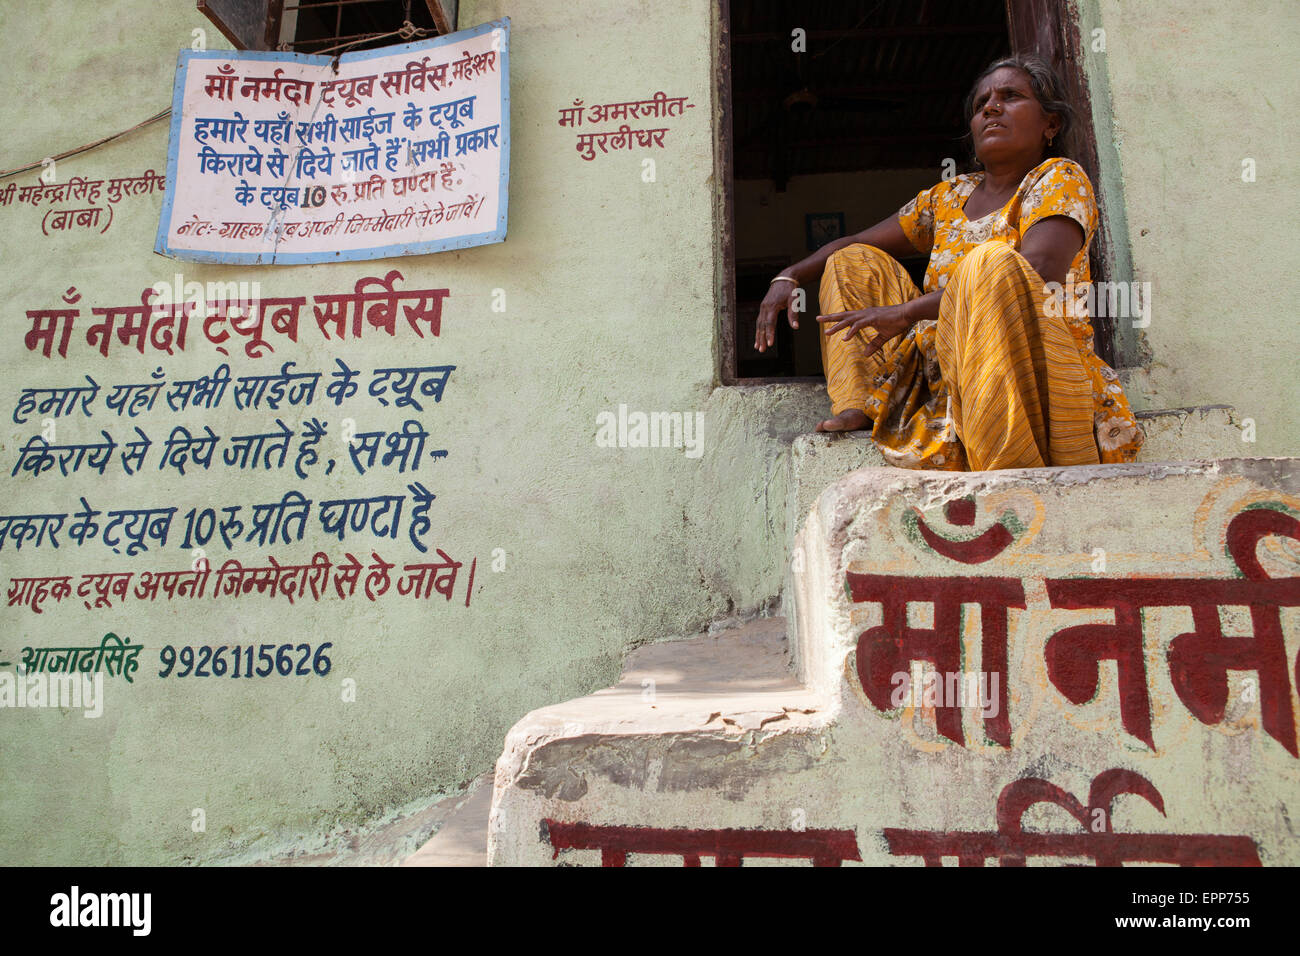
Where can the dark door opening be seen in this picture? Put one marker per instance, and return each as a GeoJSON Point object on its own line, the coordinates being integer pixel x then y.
{"type": "Point", "coordinates": [836, 112]}
{"type": "Point", "coordinates": [327, 26]}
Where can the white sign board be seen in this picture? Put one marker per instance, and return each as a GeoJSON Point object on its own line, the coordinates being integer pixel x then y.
{"type": "Point", "coordinates": [279, 158]}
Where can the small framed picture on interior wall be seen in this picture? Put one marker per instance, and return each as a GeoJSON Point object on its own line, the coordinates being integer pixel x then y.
{"type": "Point", "coordinates": [823, 227]}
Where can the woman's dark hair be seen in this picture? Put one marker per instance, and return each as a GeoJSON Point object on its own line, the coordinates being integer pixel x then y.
{"type": "Point", "coordinates": [1048, 90]}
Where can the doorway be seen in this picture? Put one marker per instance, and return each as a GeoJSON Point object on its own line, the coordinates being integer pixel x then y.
{"type": "Point", "coordinates": [835, 114]}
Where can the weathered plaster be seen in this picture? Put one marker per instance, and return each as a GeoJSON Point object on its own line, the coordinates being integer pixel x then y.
{"type": "Point", "coordinates": [1183, 94]}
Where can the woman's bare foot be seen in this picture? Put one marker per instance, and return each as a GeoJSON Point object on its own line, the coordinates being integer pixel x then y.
{"type": "Point", "coordinates": [850, 420]}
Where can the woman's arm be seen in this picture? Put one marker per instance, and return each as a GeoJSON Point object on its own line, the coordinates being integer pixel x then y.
{"type": "Point", "coordinates": [886, 235]}
{"type": "Point", "coordinates": [1049, 245]}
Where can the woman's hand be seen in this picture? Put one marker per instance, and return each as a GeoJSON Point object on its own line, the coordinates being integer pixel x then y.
{"type": "Point", "coordinates": [889, 321]}
{"type": "Point", "coordinates": [780, 295]}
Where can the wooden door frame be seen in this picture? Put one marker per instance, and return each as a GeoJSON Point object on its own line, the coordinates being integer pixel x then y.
{"type": "Point", "coordinates": [1050, 28]}
{"type": "Point", "coordinates": [724, 212]}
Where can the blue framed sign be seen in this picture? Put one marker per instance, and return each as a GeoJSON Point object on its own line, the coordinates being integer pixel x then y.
{"type": "Point", "coordinates": [276, 158]}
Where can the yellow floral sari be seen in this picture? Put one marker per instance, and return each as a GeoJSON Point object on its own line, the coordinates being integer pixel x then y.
{"type": "Point", "coordinates": [1006, 377]}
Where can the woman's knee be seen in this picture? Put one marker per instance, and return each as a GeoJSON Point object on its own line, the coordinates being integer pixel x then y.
{"type": "Point", "coordinates": [858, 254]}
{"type": "Point", "coordinates": [864, 274]}
{"type": "Point", "coordinates": [973, 275]}
{"type": "Point", "coordinates": [989, 255]}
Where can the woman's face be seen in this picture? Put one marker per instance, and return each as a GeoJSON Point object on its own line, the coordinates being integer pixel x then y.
{"type": "Point", "coordinates": [1009, 124]}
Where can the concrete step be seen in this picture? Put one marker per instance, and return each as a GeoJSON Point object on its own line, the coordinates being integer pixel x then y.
{"type": "Point", "coordinates": [400, 838]}
{"type": "Point", "coordinates": [1053, 665]}
{"type": "Point", "coordinates": [817, 459]}
{"type": "Point", "coordinates": [461, 840]}
{"type": "Point", "coordinates": [687, 720]}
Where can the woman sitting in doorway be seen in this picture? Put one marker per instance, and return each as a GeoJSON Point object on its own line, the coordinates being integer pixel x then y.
{"type": "Point", "coordinates": [988, 368]}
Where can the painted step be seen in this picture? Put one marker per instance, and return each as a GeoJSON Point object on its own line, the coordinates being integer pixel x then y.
{"type": "Point", "coordinates": [1092, 665]}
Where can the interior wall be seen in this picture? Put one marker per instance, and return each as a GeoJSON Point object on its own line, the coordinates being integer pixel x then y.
{"type": "Point", "coordinates": [770, 224]}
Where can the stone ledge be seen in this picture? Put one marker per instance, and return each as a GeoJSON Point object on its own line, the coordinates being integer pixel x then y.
{"type": "Point", "coordinates": [818, 460]}
{"type": "Point", "coordinates": [686, 717]}
{"type": "Point", "coordinates": [1175, 434]}
{"type": "Point", "coordinates": [723, 684]}
{"type": "Point", "coordinates": [858, 499]}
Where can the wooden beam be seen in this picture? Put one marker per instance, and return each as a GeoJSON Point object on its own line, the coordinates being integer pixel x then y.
{"type": "Point", "coordinates": [443, 18]}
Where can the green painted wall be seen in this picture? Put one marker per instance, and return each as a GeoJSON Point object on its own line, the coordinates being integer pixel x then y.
{"type": "Point", "coordinates": [1184, 92]}
{"type": "Point", "coordinates": [610, 286]}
